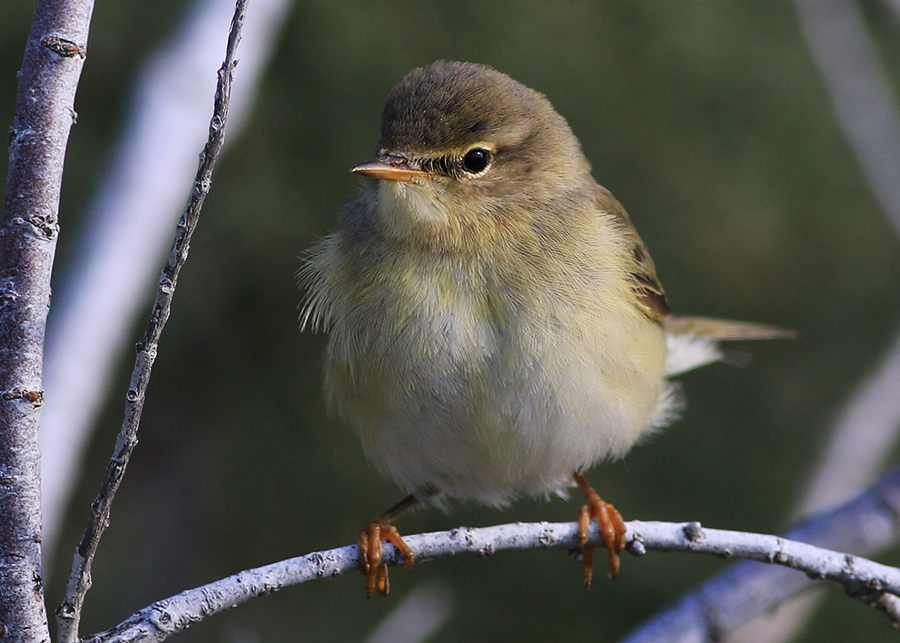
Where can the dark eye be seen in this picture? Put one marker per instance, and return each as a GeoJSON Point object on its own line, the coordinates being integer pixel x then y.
{"type": "Point", "coordinates": [476, 160]}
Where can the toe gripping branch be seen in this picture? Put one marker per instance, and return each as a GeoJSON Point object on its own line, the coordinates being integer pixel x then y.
{"type": "Point", "coordinates": [370, 548]}
{"type": "Point", "coordinates": [612, 529]}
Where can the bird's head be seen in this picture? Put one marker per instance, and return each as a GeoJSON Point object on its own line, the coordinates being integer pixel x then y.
{"type": "Point", "coordinates": [467, 152]}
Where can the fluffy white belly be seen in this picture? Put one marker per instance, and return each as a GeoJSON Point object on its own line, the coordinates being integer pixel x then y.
{"type": "Point", "coordinates": [478, 398]}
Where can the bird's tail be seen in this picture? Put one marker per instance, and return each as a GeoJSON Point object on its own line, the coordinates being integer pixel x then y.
{"type": "Point", "coordinates": [694, 341]}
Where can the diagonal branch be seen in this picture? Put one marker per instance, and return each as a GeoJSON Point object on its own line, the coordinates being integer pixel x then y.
{"type": "Point", "coordinates": [873, 583]}
{"type": "Point", "coordinates": [127, 229]}
{"type": "Point", "coordinates": [54, 57]}
{"type": "Point", "coordinates": [860, 92]}
{"type": "Point", "coordinates": [865, 432]}
{"type": "Point", "coordinates": [69, 612]}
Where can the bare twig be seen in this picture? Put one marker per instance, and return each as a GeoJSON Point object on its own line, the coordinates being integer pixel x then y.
{"type": "Point", "coordinates": [867, 524]}
{"type": "Point", "coordinates": [54, 57]}
{"type": "Point", "coordinates": [863, 579]}
{"type": "Point", "coordinates": [69, 613]}
{"type": "Point", "coordinates": [128, 229]}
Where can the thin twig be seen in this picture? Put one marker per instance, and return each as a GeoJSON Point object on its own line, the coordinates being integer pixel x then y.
{"type": "Point", "coordinates": [127, 229]}
{"type": "Point", "coordinates": [54, 57]}
{"type": "Point", "coordinates": [863, 579]}
{"type": "Point", "coordinates": [69, 612]}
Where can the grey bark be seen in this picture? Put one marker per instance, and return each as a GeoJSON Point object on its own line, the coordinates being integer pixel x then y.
{"type": "Point", "coordinates": [870, 521]}
{"type": "Point", "coordinates": [54, 56]}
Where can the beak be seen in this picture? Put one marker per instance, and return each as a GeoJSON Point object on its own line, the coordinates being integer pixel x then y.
{"type": "Point", "coordinates": [390, 168]}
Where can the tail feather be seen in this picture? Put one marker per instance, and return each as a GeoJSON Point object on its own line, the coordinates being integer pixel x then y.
{"type": "Point", "coordinates": [723, 329]}
{"type": "Point", "coordinates": [694, 341]}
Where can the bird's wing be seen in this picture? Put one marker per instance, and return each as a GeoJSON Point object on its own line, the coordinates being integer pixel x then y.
{"type": "Point", "coordinates": [650, 296]}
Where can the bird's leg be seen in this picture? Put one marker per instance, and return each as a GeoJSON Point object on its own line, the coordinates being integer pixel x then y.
{"type": "Point", "coordinates": [612, 528]}
{"type": "Point", "coordinates": [370, 549]}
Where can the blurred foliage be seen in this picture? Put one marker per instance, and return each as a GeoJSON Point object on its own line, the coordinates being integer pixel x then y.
{"type": "Point", "coordinates": [708, 120]}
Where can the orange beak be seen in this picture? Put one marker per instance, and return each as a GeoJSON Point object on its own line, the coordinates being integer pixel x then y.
{"type": "Point", "coordinates": [390, 168]}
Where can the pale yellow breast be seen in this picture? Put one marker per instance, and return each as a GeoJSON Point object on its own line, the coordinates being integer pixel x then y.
{"type": "Point", "coordinates": [488, 380]}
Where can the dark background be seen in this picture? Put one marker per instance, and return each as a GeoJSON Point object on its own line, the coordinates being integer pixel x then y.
{"type": "Point", "coordinates": [708, 120]}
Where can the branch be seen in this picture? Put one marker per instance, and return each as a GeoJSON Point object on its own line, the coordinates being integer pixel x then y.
{"type": "Point", "coordinates": [867, 428]}
{"type": "Point", "coordinates": [128, 232]}
{"type": "Point", "coordinates": [866, 524]}
{"type": "Point", "coordinates": [54, 57]}
{"type": "Point", "coordinates": [860, 93]}
{"type": "Point", "coordinates": [69, 612]}
{"type": "Point", "coordinates": [873, 583]}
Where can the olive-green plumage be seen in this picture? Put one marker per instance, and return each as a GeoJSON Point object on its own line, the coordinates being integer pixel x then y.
{"type": "Point", "coordinates": [495, 321]}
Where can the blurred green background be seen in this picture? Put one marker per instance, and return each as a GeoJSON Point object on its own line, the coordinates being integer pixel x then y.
{"type": "Point", "coordinates": [708, 120]}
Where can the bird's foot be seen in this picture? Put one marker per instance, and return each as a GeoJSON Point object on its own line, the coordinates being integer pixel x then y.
{"type": "Point", "coordinates": [612, 529]}
{"type": "Point", "coordinates": [370, 554]}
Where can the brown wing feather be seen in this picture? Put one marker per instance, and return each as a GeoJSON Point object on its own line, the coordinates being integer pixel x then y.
{"type": "Point", "coordinates": [650, 298]}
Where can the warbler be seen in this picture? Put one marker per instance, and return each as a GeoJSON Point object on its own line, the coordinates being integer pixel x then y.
{"type": "Point", "coordinates": [496, 323]}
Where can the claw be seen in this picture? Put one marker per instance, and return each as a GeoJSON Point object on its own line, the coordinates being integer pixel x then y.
{"type": "Point", "coordinates": [612, 529]}
{"type": "Point", "coordinates": [371, 553]}
{"type": "Point", "coordinates": [370, 548]}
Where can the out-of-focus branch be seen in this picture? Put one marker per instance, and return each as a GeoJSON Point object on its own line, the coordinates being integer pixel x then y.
{"type": "Point", "coordinates": [129, 226]}
{"type": "Point", "coordinates": [723, 605]}
{"type": "Point", "coordinates": [860, 92]}
{"type": "Point", "coordinates": [54, 57]}
{"type": "Point", "coordinates": [863, 436]}
{"type": "Point", "coordinates": [69, 613]}
{"type": "Point", "coordinates": [895, 5]}
{"type": "Point", "coordinates": [867, 112]}
{"type": "Point", "coordinates": [873, 517]}
{"type": "Point", "coordinates": [418, 617]}
{"type": "Point", "coordinates": [867, 427]}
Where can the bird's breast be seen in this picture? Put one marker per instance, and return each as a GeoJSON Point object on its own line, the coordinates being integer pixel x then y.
{"type": "Point", "coordinates": [488, 384]}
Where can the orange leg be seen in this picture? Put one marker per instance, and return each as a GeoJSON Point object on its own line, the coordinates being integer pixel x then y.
{"type": "Point", "coordinates": [612, 528]}
{"type": "Point", "coordinates": [370, 549]}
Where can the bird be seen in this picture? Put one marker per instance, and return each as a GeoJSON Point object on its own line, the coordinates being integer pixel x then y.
{"type": "Point", "coordinates": [496, 325]}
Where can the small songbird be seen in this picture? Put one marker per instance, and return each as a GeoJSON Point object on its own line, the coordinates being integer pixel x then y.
{"type": "Point", "coordinates": [496, 323]}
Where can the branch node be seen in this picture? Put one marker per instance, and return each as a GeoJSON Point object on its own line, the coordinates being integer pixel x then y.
{"type": "Point", "coordinates": [63, 46]}
{"type": "Point", "coordinates": [46, 226]}
{"type": "Point", "coordinates": [778, 557]}
{"type": "Point", "coordinates": [636, 546]}
{"type": "Point", "coordinates": [8, 294]}
{"type": "Point", "coordinates": [162, 619]}
{"type": "Point", "coordinates": [546, 539]}
{"type": "Point", "coordinates": [693, 531]}
{"type": "Point", "coordinates": [66, 611]}
{"type": "Point", "coordinates": [35, 397]}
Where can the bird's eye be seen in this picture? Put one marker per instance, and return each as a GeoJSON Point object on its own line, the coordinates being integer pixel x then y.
{"type": "Point", "coordinates": [476, 160]}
